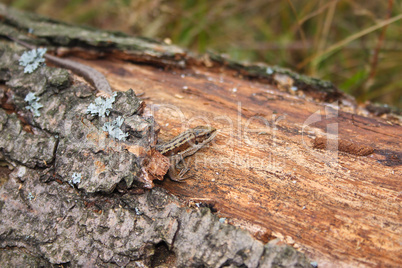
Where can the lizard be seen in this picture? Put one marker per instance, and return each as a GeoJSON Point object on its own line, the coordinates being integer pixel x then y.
{"type": "Point", "coordinates": [183, 145]}
{"type": "Point", "coordinates": [92, 76]}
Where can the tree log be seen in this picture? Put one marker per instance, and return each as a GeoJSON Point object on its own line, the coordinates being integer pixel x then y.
{"type": "Point", "coordinates": [296, 164]}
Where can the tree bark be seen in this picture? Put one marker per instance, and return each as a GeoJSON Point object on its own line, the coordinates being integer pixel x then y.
{"type": "Point", "coordinates": [297, 167]}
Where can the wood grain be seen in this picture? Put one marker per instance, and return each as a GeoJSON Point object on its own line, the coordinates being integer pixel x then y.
{"type": "Point", "coordinates": [262, 172]}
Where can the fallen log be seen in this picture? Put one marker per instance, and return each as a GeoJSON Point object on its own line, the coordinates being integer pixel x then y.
{"type": "Point", "coordinates": [296, 163]}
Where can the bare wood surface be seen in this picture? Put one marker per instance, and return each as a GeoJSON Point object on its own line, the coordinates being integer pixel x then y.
{"type": "Point", "coordinates": [68, 187]}
{"type": "Point", "coordinates": [341, 210]}
{"type": "Point", "coordinates": [266, 171]}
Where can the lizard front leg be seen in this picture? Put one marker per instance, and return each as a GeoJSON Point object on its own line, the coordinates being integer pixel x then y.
{"type": "Point", "coordinates": [174, 161]}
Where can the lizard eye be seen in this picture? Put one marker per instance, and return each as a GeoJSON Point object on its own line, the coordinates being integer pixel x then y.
{"type": "Point", "coordinates": [196, 142]}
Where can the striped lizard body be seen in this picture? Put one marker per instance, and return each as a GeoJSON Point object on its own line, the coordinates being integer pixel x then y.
{"type": "Point", "coordinates": [183, 145]}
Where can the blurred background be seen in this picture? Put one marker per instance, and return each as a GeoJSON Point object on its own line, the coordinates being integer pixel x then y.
{"type": "Point", "coordinates": [355, 44]}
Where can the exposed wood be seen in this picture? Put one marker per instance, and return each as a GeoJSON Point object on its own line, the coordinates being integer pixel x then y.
{"type": "Point", "coordinates": [339, 208]}
{"type": "Point", "coordinates": [78, 162]}
{"type": "Point", "coordinates": [263, 172]}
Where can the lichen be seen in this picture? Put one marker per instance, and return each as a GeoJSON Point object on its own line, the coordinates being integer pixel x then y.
{"type": "Point", "coordinates": [113, 129]}
{"type": "Point", "coordinates": [76, 178]}
{"type": "Point", "coordinates": [33, 104]}
{"type": "Point", "coordinates": [32, 59]}
{"type": "Point", "coordinates": [102, 106]}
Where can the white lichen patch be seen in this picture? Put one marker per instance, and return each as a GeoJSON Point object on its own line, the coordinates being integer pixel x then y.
{"type": "Point", "coordinates": [32, 59]}
{"type": "Point", "coordinates": [33, 104]}
{"type": "Point", "coordinates": [113, 128]}
{"type": "Point", "coordinates": [101, 106]}
{"type": "Point", "coordinates": [76, 178]}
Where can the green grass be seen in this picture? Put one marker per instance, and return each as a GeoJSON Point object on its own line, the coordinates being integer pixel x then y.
{"type": "Point", "coordinates": [333, 40]}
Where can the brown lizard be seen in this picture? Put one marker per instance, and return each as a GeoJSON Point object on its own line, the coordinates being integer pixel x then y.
{"type": "Point", "coordinates": [183, 145]}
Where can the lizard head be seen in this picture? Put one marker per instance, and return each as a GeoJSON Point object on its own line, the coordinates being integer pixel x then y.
{"type": "Point", "coordinates": [204, 134]}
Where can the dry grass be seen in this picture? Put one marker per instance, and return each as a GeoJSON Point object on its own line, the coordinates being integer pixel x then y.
{"type": "Point", "coordinates": [355, 44]}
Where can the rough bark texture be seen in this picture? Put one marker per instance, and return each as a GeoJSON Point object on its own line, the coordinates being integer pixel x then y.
{"type": "Point", "coordinates": [53, 223]}
{"type": "Point", "coordinates": [274, 168]}
{"type": "Point", "coordinates": [64, 138]}
{"type": "Point", "coordinates": [50, 219]}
